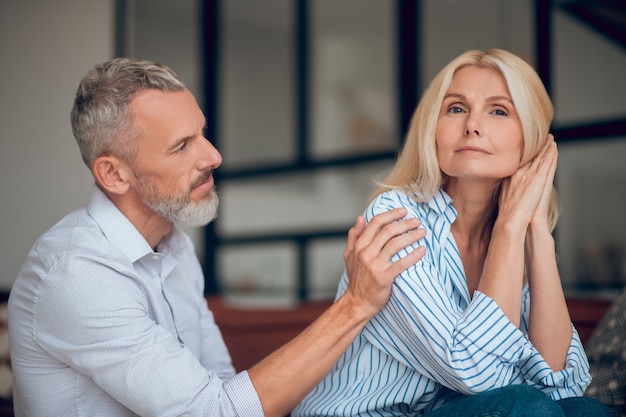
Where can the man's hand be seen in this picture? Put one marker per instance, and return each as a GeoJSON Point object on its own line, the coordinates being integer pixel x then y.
{"type": "Point", "coordinates": [287, 375]}
{"type": "Point", "coordinates": [368, 256]}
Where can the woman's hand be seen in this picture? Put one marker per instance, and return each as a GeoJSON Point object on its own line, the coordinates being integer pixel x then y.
{"type": "Point", "coordinates": [525, 196]}
{"type": "Point", "coordinates": [549, 323]}
{"type": "Point", "coordinates": [540, 219]}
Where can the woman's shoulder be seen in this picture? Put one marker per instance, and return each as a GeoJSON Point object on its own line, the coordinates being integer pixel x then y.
{"type": "Point", "coordinates": [417, 205]}
{"type": "Point", "coordinates": [408, 199]}
{"type": "Point", "coordinates": [391, 199]}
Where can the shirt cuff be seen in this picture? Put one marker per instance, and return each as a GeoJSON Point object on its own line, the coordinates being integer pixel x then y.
{"type": "Point", "coordinates": [243, 396]}
{"type": "Point", "coordinates": [489, 331]}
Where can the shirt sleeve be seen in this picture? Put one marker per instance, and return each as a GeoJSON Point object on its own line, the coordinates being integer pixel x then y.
{"type": "Point", "coordinates": [573, 380]}
{"type": "Point", "coordinates": [94, 318]}
{"type": "Point", "coordinates": [468, 348]}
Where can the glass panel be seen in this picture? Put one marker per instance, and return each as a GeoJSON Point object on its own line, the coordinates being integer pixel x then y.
{"type": "Point", "coordinates": [167, 32]}
{"type": "Point", "coordinates": [256, 107]}
{"type": "Point", "coordinates": [588, 73]}
{"type": "Point", "coordinates": [591, 234]}
{"type": "Point", "coordinates": [591, 177]}
{"type": "Point", "coordinates": [325, 260]}
{"type": "Point", "coordinates": [353, 58]}
{"type": "Point", "coordinates": [259, 275]}
{"type": "Point", "coordinates": [451, 27]}
{"type": "Point", "coordinates": [306, 201]}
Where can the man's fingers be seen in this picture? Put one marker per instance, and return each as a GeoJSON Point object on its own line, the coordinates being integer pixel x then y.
{"type": "Point", "coordinates": [378, 222]}
{"type": "Point", "coordinates": [354, 233]}
{"type": "Point", "coordinates": [376, 243]}
{"type": "Point", "coordinates": [404, 240]}
{"type": "Point", "coordinates": [397, 267]}
{"type": "Point", "coordinates": [391, 240]}
{"type": "Point", "coordinates": [386, 237]}
{"type": "Point", "coordinates": [401, 242]}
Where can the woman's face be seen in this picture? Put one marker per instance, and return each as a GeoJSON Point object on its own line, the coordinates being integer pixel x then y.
{"type": "Point", "coordinates": [479, 133]}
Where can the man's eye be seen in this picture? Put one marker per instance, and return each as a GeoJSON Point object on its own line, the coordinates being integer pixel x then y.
{"type": "Point", "coordinates": [182, 147]}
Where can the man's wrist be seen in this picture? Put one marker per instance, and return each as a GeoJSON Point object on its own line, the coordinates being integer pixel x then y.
{"type": "Point", "coordinates": [357, 310]}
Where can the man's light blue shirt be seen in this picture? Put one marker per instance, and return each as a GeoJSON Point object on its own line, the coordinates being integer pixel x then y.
{"type": "Point", "coordinates": [103, 325]}
{"type": "Point", "coordinates": [433, 341]}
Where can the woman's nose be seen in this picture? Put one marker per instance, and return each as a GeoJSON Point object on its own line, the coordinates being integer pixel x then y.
{"type": "Point", "coordinates": [473, 127]}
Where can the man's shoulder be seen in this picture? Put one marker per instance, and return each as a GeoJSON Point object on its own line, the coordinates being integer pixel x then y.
{"type": "Point", "coordinates": [75, 234]}
{"type": "Point", "coordinates": [70, 261]}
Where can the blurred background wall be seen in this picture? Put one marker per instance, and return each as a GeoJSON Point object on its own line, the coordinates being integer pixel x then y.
{"type": "Point", "coordinates": [45, 48]}
{"type": "Point", "coordinates": [307, 109]}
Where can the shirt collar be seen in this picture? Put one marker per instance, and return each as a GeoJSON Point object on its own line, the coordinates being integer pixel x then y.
{"type": "Point", "coordinates": [441, 203]}
{"type": "Point", "coordinates": [123, 234]}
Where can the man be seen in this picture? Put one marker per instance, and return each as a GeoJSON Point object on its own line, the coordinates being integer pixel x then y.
{"type": "Point", "coordinates": [107, 316]}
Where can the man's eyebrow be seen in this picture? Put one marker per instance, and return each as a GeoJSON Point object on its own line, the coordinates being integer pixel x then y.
{"type": "Point", "coordinates": [179, 143]}
{"type": "Point", "coordinates": [182, 140]}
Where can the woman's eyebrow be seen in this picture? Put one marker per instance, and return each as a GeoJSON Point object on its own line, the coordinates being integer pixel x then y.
{"type": "Point", "coordinates": [499, 98]}
{"type": "Point", "coordinates": [454, 95]}
{"type": "Point", "coordinates": [489, 99]}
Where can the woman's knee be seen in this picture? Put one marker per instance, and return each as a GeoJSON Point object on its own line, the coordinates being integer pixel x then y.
{"type": "Point", "coordinates": [584, 407]}
{"type": "Point", "coordinates": [509, 401]}
{"type": "Point", "coordinates": [526, 401]}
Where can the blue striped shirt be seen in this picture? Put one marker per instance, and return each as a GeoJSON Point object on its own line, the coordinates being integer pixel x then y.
{"type": "Point", "coordinates": [432, 341]}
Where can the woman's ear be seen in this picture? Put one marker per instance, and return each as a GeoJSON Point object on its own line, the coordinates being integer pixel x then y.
{"type": "Point", "coordinates": [112, 174]}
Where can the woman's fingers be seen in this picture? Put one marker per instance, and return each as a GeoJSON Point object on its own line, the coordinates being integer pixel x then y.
{"type": "Point", "coordinates": [524, 192]}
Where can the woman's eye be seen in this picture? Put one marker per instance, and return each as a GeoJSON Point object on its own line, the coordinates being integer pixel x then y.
{"type": "Point", "coordinates": [455, 109]}
{"type": "Point", "coordinates": [500, 112]}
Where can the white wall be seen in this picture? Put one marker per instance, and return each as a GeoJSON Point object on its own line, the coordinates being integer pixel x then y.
{"type": "Point", "coordinates": [45, 48]}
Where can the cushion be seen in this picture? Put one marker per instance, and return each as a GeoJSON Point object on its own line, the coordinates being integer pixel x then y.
{"type": "Point", "coordinates": [606, 351]}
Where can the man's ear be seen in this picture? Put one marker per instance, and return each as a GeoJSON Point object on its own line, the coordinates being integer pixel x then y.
{"type": "Point", "coordinates": [112, 174]}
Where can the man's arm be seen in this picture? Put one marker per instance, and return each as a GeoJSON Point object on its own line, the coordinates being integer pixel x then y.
{"type": "Point", "coordinates": [286, 376]}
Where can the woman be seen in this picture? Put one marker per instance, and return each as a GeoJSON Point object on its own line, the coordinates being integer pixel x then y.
{"type": "Point", "coordinates": [480, 326]}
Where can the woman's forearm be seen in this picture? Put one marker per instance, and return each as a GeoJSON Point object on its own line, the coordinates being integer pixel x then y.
{"type": "Point", "coordinates": [502, 277]}
{"type": "Point", "coordinates": [550, 326]}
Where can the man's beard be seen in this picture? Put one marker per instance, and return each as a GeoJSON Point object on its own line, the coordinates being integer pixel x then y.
{"type": "Point", "coordinates": [180, 209]}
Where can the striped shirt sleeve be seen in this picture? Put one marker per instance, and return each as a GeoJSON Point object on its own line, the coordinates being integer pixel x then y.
{"type": "Point", "coordinates": [433, 341]}
{"type": "Point", "coordinates": [466, 344]}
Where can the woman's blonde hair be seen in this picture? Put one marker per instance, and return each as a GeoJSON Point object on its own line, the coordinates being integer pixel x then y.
{"type": "Point", "coordinates": [417, 168]}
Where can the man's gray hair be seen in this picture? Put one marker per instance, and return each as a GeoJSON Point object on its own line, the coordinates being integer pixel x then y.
{"type": "Point", "coordinates": [102, 120]}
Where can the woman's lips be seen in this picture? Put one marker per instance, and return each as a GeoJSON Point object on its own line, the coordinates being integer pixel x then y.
{"type": "Point", "coordinates": [472, 150]}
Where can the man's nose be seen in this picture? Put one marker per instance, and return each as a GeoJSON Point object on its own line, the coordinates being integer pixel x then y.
{"type": "Point", "coordinates": [211, 157]}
